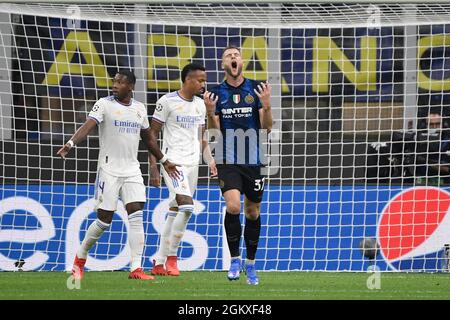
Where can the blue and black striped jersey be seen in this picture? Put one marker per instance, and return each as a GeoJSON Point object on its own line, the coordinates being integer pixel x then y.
{"type": "Point", "coordinates": [238, 110]}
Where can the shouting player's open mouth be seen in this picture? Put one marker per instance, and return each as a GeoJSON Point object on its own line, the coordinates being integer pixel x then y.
{"type": "Point", "coordinates": [234, 65]}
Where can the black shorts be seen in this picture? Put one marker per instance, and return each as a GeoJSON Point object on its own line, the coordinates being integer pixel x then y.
{"type": "Point", "coordinates": [246, 179]}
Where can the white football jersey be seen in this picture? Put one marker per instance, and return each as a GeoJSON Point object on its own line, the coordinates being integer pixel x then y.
{"type": "Point", "coordinates": [119, 132]}
{"type": "Point", "coordinates": [182, 121]}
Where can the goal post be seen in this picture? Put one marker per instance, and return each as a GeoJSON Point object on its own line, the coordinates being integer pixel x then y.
{"type": "Point", "coordinates": [351, 156]}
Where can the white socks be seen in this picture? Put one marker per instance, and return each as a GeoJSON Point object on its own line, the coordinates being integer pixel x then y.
{"type": "Point", "coordinates": [179, 227]}
{"type": "Point", "coordinates": [93, 233]}
{"type": "Point", "coordinates": [165, 238]}
{"type": "Point", "coordinates": [136, 238]}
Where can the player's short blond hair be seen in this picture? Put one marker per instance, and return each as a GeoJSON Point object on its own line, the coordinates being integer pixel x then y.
{"type": "Point", "coordinates": [229, 48]}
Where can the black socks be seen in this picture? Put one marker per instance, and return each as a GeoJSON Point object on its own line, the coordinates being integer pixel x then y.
{"type": "Point", "coordinates": [251, 236]}
{"type": "Point", "coordinates": [233, 229]}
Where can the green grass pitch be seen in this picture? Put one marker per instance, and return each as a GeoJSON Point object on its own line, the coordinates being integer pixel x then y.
{"type": "Point", "coordinates": [205, 285]}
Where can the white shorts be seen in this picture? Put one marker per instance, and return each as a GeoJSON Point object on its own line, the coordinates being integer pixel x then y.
{"type": "Point", "coordinates": [109, 189]}
{"type": "Point", "coordinates": [185, 185]}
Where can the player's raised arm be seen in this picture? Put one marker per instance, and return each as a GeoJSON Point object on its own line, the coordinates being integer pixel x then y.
{"type": "Point", "coordinates": [210, 100]}
{"type": "Point", "coordinates": [79, 136]}
{"type": "Point", "coordinates": [265, 113]}
{"type": "Point", "coordinates": [149, 136]}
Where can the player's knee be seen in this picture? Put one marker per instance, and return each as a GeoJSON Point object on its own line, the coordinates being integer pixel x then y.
{"type": "Point", "coordinates": [134, 206]}
{"type": "Point", "coordinates": [233, 207]}
{"type": "Point", "coordinates": [252, 215]}
{"type": "Point", "coordinates": [251, 209]}
{"type": "Point", "coordinates": [252, 212]}
{"type": "Point", "coordinates": [184, 200]}
{"type": "Point", "coordinates": [105, 216]}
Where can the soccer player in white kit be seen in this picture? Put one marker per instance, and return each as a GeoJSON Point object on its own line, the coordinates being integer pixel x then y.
{"type": "Point", "coordinates": [182, 116]}
{"type": "Point", "coordinates": [122, 121]}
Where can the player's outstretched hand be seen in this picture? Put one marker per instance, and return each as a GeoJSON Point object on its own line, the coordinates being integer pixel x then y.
{"type": "Point", "coordinates": [155, 178]}
{"type": "Point", "coordinates": [263, 93]}
{"type": "Point", "coordinates": [213, 168]}
{"type": "Point", "coordinates": [171, 169]}
{"type": "Point", "coordinates": [210, 100]}
{"type": "Point", "coordinates": [64, 151]}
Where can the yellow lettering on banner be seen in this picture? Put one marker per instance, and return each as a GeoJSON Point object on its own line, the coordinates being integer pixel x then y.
{"type": "Point", "coordinates": [78, 41]}
{"type": "Point", "coordinates": [325, 49]}
{"type": "Point", "coordinates": [256, 48]}
{"type": "Point", "coordinates": [186, 48]}
{"type": "Point", "coordinates": [424, 44]}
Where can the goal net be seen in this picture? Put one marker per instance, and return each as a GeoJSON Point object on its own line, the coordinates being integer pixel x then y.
{"type": "Point", "coordinates": [358, 163]}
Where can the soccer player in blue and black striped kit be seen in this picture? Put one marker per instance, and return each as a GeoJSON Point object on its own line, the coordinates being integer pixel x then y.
{"type": "Point", "coordinates": [240, 107]}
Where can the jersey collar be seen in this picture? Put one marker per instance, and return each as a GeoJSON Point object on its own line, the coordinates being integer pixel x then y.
{"type": "Point", "coordinates": [184, 98]}
{"type": "Point", "coordinates": [123, 104]}
{"type": "Point", "coordinates": [230, 86]}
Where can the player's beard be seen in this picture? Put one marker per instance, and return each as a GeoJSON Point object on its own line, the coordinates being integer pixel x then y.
{"type": "Point", "coordinates": [234, 72]}
{"type": "Point", "coordinates": [200, 92]}
{"type": "Point", "coordinates": [118, 97]}
{"type": "Point", "coordinates": [122, 97]}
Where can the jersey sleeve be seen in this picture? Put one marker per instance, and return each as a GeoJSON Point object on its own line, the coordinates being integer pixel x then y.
{"type": "Point", "coordinates": [97, 112]}
{"type": "Point", "coordinates": [145, 124]}
{"type": "Point", "coordinates": [161, 110]}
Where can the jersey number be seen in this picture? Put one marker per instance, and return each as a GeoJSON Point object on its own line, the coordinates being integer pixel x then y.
{"type": "Point", "coordinates": [259, 184]}
{"type": "Point", "coordinates": [180, 178]}
{"type": "Point", "coordinates": [101, 186]}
